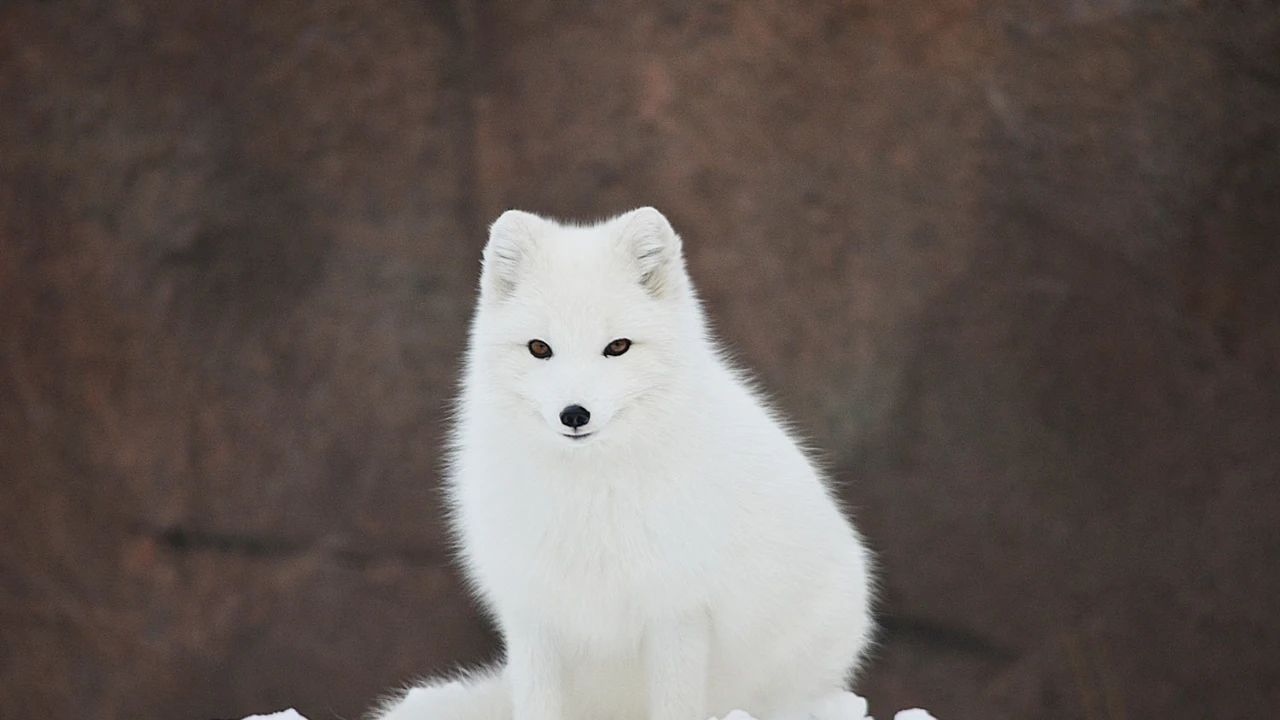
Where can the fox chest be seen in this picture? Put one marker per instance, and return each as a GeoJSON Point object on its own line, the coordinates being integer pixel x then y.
{"type": "Point", "coordinates": [597, 563]}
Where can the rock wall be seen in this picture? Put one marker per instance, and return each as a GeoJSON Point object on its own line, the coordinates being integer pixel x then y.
{"type": "Point", "coordinates": [1015, 265]}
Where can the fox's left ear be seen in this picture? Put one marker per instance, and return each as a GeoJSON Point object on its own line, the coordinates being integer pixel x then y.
{"type": "Point", "coordinates": [654, 247]}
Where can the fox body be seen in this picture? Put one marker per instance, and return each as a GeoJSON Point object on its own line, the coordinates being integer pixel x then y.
{"type": "Point", "coordinates": [651, 541]}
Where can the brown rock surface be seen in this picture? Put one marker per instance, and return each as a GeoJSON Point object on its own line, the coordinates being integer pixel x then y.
{"type": "Point", "coordinates": [1015, 265]}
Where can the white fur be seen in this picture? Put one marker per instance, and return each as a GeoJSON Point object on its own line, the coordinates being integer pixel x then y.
{"type": "Point", "coordinates": [686, 558]}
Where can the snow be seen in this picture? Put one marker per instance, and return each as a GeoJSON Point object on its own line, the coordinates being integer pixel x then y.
{"type": "Point", "coordinates": [913, 714]}
{"type": "Point", "coordinates": [289, 714]}
{"type": "Point", "coordinates": [844, 706]}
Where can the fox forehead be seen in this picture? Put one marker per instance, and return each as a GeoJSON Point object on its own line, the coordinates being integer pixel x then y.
{"type": "Point", "coordinates": [569, 285]}
{"type": "Point", "coordinates": [572, 314]}
{"type": "Point", "coordinates": [577, 280]}
{"type": "Point", "coordinates": [590, 258]}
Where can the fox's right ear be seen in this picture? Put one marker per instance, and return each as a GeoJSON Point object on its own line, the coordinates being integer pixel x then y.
{"type": "Point", "coordinates": [511, 237]}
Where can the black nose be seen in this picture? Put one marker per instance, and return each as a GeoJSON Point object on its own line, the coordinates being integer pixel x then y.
{"type": "Point", "coordinates": [575, 416]}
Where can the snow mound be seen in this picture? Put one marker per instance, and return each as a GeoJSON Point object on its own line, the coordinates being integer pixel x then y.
{"type": "Point", "coordinates": [289, 714]}
{"type": "Point", "coordinates": [842, 706]}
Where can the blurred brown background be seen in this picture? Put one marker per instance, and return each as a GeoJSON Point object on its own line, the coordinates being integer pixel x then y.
{"type": "Point", "coordinates": [1014, 264]}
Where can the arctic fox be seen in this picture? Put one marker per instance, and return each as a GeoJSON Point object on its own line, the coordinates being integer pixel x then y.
{"type": "Point", "coordinates": [651, 541]}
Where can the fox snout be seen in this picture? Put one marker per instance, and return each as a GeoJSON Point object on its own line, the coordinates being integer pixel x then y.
{"type": "Point", "coordinates": [575, 416]}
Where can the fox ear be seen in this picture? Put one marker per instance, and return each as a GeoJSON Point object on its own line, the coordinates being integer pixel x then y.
{"type": "Point", "coordinates": [654, 248]}
{"type": "Point", "coordinates": [511, 237]}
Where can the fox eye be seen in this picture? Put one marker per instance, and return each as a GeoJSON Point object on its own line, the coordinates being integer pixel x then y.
{"type": "Point", "coordinates": [539, 349]}
{"type": "Point", "coordinates": [617, 347]}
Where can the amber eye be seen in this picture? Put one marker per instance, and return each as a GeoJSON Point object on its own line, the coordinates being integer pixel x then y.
{"type": "Point", "coordinates": [617, 347]}
{"type": "Point", "coordinates": [539, 349]}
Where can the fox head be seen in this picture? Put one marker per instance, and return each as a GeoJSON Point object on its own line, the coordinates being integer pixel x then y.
{"type": "Point", "coordinates": [587, 329]}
